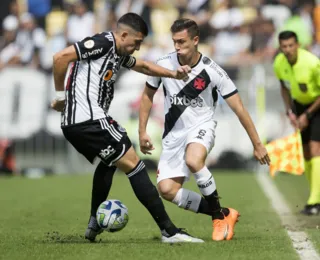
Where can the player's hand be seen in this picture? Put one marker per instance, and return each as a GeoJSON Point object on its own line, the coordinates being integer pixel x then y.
{"type": "Point", "coordinates": [261, 154]}
{"type": "Point", "coordinates": [293, 120]}
{"type": "Point", "coordinates": [303, 122]}
{"type": "Point", "coordinates": [57, 105]}
{"type": "Point", "coordinates": [145, 143]}
{"type": "Point", "coordinates": [182, 72]}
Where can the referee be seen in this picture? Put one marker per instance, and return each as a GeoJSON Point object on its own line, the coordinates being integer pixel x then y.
{"type": "Point", "coordinates": [299, 73]}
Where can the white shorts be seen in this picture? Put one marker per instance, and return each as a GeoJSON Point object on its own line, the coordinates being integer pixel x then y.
{"type": "Point", "coordinates": [172, 161]}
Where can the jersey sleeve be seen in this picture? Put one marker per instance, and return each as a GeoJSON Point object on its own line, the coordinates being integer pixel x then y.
{"type": "Point", "coordinates": [129, 62]}
{"type": "Point", "coordinates": [226, 87]}
{"type": "Point", "coordinates": [276, 68]}
{"type": "Point", "coordinates": [94, 47]}
{"type": "Point", "coordinates": [154, 82]}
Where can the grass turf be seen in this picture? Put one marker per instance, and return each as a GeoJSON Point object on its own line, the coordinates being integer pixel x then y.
{"type": "Point", "coordinates": [295, 190]}
{"type": "Point", "coordinates": [46, 219]}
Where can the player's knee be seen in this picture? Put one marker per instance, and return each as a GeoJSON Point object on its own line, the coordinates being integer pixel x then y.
{"type": "Point", "coordinates": [129, 161]}
{"type": "Point", "coordinates": [167, 192]}
{"type": "Point", "coordinates": [314, 149]}
{"type": "Point", "coordinates": [194, 164]}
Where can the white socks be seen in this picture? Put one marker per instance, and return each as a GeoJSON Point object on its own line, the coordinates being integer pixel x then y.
{"type": "Point", "coordinates": [190, 200]}
{"type": "Point", "coordinates": [187, 199]}
{"type": "Point", "coordinates": [205, 181]}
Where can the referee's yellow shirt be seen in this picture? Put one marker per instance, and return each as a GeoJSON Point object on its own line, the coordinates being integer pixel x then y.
{"type": "Point", "coordinates": [302, 79]}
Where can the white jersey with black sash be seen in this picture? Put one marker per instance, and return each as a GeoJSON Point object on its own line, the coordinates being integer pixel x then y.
{"type": "Point", "coordinates": [191, 102]}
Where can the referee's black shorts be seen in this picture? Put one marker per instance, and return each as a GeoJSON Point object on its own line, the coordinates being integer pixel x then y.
{"type": "Point", "coordinates": [103, 138]}
{"type": "Point", "coordinates": [312, 132]}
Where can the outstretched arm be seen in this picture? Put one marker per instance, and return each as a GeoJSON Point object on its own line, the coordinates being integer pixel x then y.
{"type": "Point", "coordinates": [260, 152]}
{"type": "Point", "coordinates": [153, 69]}
{"type": "Point", "coordinates": [145, 107]}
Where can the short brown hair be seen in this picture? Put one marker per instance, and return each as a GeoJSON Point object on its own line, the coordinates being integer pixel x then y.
{"type": "Point", "coordinates": [185, 24]}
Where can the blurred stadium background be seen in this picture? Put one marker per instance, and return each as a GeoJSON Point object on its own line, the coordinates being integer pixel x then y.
{"type": "Point", "coordinates": [240, 35]}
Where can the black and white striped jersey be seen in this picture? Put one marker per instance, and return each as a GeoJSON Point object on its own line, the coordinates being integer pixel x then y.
{"type": "Point", "coordinates": [192, 101]}
{"type": "Point", "coordinates": [90, 85]}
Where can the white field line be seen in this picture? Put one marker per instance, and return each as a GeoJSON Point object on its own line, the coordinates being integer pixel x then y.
{"type": "Point", "coordinates": [299, 239]}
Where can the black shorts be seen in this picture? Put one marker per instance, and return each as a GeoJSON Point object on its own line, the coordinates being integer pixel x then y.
{"type": "Point", "coordinates": [103, 138]}
{"type": "Point", "coordinates": [312, 132]}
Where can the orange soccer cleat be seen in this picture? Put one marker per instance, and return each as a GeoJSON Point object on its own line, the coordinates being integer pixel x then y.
{"type": "Point", "coordinates": [223, 229]}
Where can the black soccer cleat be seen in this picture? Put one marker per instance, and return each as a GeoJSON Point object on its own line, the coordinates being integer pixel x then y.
{"type": "Point", "coordinates": [91, 234]}
{"type": "Point", "coordinates": [93, 230]}
{"type": "Point", "coordinates": [311, 210]}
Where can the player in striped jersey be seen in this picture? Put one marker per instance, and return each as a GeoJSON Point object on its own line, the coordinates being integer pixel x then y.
{"type": "Point", "coordinates": [87, 125]}
{"type": "Point", "coordinates": [189, 131]}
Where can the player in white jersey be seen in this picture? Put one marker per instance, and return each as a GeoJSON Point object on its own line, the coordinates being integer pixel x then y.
{"type": "Point", "coordinates": [189, 130]}
{"type": "Point", "coordinates": [87, 125]}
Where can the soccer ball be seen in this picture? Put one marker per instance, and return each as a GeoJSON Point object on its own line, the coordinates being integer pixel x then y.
{"type": "Point", "coordinates": [112, 215]}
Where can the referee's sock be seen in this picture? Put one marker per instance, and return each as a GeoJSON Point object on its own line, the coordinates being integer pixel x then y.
{"type": "Point", "coordinates": [102, 181]}
{"type": "Point", "coordinates": [148, 195]}
{"type": "Point", "coordinates": [307, 171]}
{"type": "Point", "coordinates": [315, 181]}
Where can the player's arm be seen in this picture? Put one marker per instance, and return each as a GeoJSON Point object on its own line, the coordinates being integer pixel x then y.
{"type": "Point", "coordinates": [144, 112]}
{"type": "Point", "coordinates": [287, 100]}
{"type": "Point", "coordinates": [285, 92]}
{"type": "Point", "coordinates": [304, 119]}
{"type": "Point", "coordinates": [61, 62]}
{"type": "Point", "coordinates": [90, 48]}
{"type": "Point", "coordinates": [230, 93]}
{"type": "Point", "coordinates": [155, 70]}
{"type": "Point", "coordinates": [286, 97]}
{"type": "Point", "coordinates": [236, 105]}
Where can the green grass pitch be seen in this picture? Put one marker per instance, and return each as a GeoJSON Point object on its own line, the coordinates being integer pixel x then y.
{"type": "Point", "coordinates": [46, 219]}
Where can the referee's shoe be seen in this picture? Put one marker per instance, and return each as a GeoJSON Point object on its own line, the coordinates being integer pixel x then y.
{"type": "Point", "coordinates": [310, 210]}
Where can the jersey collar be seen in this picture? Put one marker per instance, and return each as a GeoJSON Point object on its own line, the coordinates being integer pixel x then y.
{"type": "Point", "coordinates": [194, 64]}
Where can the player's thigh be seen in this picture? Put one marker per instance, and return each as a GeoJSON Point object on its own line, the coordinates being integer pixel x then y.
{"type": "Point", "coordinates": [306, 150]}
{"type": "Point", "coordinates": [306, 133]}
{"type": "Point", "coordinates": [314, 135]}
{"type": "Point", "coordinates": [172, 166]}
{"type": "Point", "coordinates": [315, 127]}
{"type": "Point", "coordinates": [196, 154]}
{"type": "Point", "coordinates": [200, 141]}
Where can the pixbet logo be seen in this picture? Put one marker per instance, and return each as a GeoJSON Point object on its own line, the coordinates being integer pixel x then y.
{"type": "Point", "coordinates": [106, 153]}
{"type": "Point", "coordinates": [184, 101]}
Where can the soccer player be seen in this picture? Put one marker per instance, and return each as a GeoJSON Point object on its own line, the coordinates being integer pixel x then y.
{"type": "Point", "coordinates": [299, 73]}
{"type": "Point", "coordinates": [189, 130]}
{"type": "Point", "coordinates": [95, 134]}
